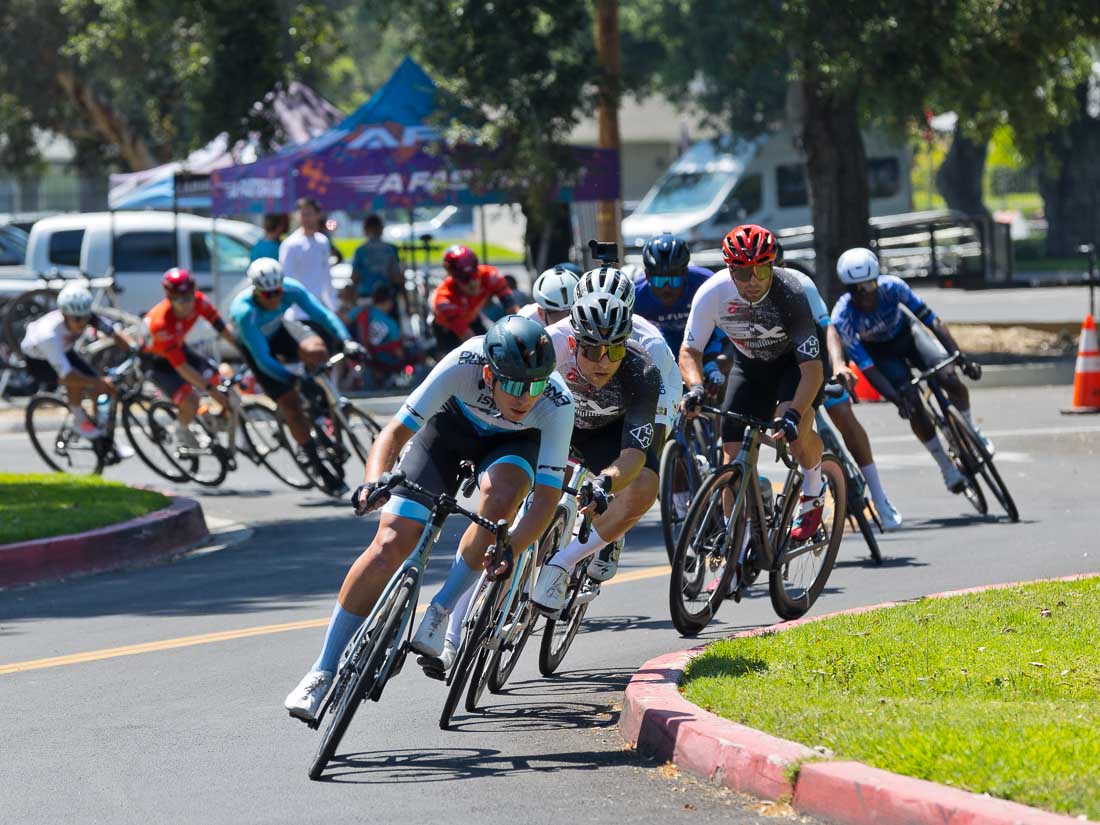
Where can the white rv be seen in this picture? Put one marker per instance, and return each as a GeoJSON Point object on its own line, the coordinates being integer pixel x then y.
{"type": "Point", "coordinates": [717, 184]}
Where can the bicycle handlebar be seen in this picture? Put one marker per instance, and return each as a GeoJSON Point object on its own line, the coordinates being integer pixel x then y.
{"type": "Point", "coordinates": [762, 427]}
{"type": "Point", "coordinates": [399, 479]}
{"type": "Point", "coordinates": [924, 376]}
{"type": "Point", "coordinates": [583, 495]}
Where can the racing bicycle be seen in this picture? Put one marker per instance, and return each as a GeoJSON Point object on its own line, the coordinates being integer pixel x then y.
{"type": "Point", "coordinates": [859, 503]}
{"type": "Point", "coordinates": [689, 456]}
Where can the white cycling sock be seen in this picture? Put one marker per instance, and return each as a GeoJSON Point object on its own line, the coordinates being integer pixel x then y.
{"type": "Point", "coordinates": [934, 446]}
{"type": "Point", "coordinates": [568, 557]}
{"type": "Point", "coordinates": [870, 472]}
{"type": "Point", "coordinates": [454, 623]}
{"type": "Point", "coordinates": [811, 481]}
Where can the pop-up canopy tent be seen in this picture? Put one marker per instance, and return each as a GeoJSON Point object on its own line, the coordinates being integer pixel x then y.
{"type": "Point", "coordinates": [298, 114]}
{"type": "Point", "coordinates": [386, 155]}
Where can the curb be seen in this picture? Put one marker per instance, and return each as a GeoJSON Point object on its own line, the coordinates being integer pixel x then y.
{"type": "Point", "coordinates": [656, 719]}
{"type": "Point", "coordinates": [154, 536]}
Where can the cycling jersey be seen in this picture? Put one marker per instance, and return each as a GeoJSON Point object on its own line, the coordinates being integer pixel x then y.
{"type": "Point", "coordinates": [455, 310]}
{"type": "Point", "coordinates": [459, 377]}
{"type": "Point", "coordinates": [813, 297]}
{"type": "Point", "coordinates": [255, 325]}
{"type": "Point", "coordinates": [166, 330]}
{"type": "Point", "coordinates": [672, 383]}
{"type": "Point", "coordinates": [882, 324]}
{"type": "Point", "coordinates": [47, 339]}
{"type": "Point", "coordinates": [777, 324]}
{"type": "Point", "coordinates": [631, 394]}
{"type": "Point", "coordinates": [531, 311]}
{"type": "Point", "coordinates": [671, 320]}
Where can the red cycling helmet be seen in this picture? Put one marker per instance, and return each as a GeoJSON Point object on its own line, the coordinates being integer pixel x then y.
{"type": "Point", "coordinates": [749, 245]}
{"type": "Point", "coordinates": [460, 262]}
{"type": "Point", "coordinates": [178, 280]}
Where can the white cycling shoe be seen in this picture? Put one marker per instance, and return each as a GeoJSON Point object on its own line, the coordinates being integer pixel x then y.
{"type": "Point", "coordinates": [436, 667]}
{"type": "Point", "coordinates": [989, 448]}
{"type": "Point", "coordinates": [432, 633]}
{"type": "Point", "coordinates": [889, 516]}
{"type": "Point", "coordinates": [305, 700]}
{"type": "Point", "coordinates": [185, 439]}
{"type": "Point", "coordinates": [605, 563]}
{"type": "Point", "coordinates": [551, 589]}
{"type": "Point", "coordinates": [953, 479]}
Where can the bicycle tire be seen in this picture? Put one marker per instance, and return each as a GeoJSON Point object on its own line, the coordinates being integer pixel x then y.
{"type": "Point", "coordinates": [469, 649]}
{"type": "Point", "coordinates": [507, 654]}
{"type": "Point", "coordinates": [552, 655]}
{"type": "Point", "coordinates": [786, 606]}
{"type": "Point", "coordinates": [674, 465]}
{"type": "Point", "coordinates": [64, 440]}
{"type": "Point", "coordinates": [22, 310]}
{"type": "Point", "coordinates": [967, 464]}
{"type": "Point", "coordinates": [360, 421]}
{"type": "Point", "coordinates": [372, 653]}
{"type": "Point", "coordinates": [868, 536]}
{"type": "Point", "coordinates": [986, 468]}
{"type": "Point", "coordinates": [208, 469]}
{"type": "Point", "coordinates": [705, 513]}
{"type": "Point", "coordinates": [149, 446]}
{"type": "Point", "coordinates": [267, 434]}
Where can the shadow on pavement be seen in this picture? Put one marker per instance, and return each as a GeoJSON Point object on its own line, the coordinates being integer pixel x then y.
{"type": "Point", "coordinates": [569, 682]}
{"type": "Point", "coordinates": [887, 562]}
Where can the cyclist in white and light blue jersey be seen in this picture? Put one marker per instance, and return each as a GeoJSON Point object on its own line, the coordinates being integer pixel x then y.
{"type": "Point", "coordinates": [841, 413]}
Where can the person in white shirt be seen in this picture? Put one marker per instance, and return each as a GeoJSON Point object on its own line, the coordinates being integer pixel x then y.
{"type": "Point", "coordinates": [304, 255]}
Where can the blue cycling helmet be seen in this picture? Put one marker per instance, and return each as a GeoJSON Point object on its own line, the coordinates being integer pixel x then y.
{"type": "Point", "coordinates": [665, 254]}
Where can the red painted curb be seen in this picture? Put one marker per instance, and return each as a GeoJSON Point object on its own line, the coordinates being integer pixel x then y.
{"type": "Point", "coordinates": [856, 794]}
{"type": "Point", "coordinates": [161, 533]}
{"type": "Point", "coordinates": [657, 719]}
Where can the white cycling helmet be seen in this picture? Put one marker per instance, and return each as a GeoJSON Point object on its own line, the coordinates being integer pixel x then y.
{"type": "Point", "coordinates": [608, 281]}
{"type": "Point", "coordinates": [857, 266]}
{"type": "Point", "coordinates": [265, 274]}
{"type": "Point", "coordinates": [553, 289]}
{"type": "Point", "coordinates": [75, 299]}
{"type": "Point", "coordinates": [600, 318]}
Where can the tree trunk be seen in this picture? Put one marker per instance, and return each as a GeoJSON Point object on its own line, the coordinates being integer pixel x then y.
{"type": "Point", "coordinates": [548, 236]}
{"type": "Point", "coordinates": [112, 127]}
{"type": "Point", "coordinates": [608, 94]}
{"type": "Point", "coordinates": [959, 178]}
{"type": "Point", "coordinates": [836, 165]}
{"type": "Point", "coordinates": [1069, 181]}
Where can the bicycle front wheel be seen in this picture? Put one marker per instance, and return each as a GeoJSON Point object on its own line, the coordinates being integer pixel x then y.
{"type": "Point", "coordinates": [149, 439]}
{"type": "Point", "coordinates": [360, 674]}
{"type": "Point", "coordinates": [54, 436]}
{"type": "Point", "coordinates": [705, 558]}
{"type": "Point", "coordinates": [983, 464]}
{"type": "Point", "coordinates": [206, 464]}
{"type": "Point", "coordinates": [269, 440]}
{"type": "Point", "coordinates": [801, 571]}
{"type": "Point", "coordinates": [967, 462]}
{"type": "Point", "coordinates": [868, 532]}
{"type": "Point", "coordinates": [361, 431]}
{"type": "Point", "coordinates": [677, 488]}
{"type": "Point", "coordinates": [558, 635]}
{"type": "Point", "coordinates": [468, 651]}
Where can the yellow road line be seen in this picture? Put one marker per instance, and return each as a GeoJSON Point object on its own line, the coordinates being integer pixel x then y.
{"type": "Point", "coordinates": [229, 635]}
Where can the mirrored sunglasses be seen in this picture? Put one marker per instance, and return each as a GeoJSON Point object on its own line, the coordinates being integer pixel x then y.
{"type": "Point", "coordinates": [613, 352]}
{"type": "Point", "coordinates": [662, 281]}
{"type": "Point", "coordinates": [518, 389]}
{"type": "Point", "coordinates": [746, 273]}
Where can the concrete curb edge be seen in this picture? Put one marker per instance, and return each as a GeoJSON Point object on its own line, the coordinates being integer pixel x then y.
{"type": "Point", "coordinates": [656, 719]}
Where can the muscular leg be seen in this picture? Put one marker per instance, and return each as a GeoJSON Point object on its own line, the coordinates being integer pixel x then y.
{"type": "Point", "coordinates": [395, 539]}
{"type": "Point", "coordinates": [807, 448]}
{"type": "Point", "coordinates": [188, 405]}
{"type": "Point", "coordinates": [312, 352]}
{"type": "Point", "coordinates": [290, 408]}
{"type": "Point", "coordinates": [628, 507]}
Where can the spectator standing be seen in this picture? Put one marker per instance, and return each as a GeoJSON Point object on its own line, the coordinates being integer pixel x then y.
{"type": "Point", "coordinates": [304, 256]}
{"type": "Point", "coordinates": [276, 225]}
{"type": "Point", "coordinates": [375, 262]}
{"type": "Point", "coordinates": [458, 301]}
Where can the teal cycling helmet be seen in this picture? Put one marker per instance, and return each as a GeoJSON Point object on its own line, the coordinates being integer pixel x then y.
{"type": "Point", "coordinates": [518, 349]}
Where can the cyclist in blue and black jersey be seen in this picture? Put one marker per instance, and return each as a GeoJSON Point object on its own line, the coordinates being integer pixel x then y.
{"type": "Point", "coordinates": [277, 347]}
{"type": "Point", "coordinates": [885, 343]}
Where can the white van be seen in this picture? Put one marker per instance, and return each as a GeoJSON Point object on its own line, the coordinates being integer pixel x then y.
{"type": "Point", "coordinates": [720, 183]}
{"type": "Point", "coordinates": [140, 246]}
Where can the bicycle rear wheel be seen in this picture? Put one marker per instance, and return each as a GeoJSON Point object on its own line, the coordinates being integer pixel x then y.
{"type": "Point", "coordinates": [985, 467]}
{"type": "Point", "coordinates": [868, 535]}
{"type": "Point", "coordinates": [54, 436]}
{"type": "Point", "coordinates": [207, 464]}
{"type": "Point", "coordinates": [471, 647]}
{"type": "Point", "coordinates": [677, 488]}
{"type": "Point", "coordinates": [518, 624]}
{"type": "Point", "coordinates": [360, 673]}
{"type": "Point", "coordinates": [800, 573]}
{"type": "Point", "coordinates": [704, 562]}
{"type": "Point", "coordinates": [967, 462]}
{"type": "Point", "coordinates": [361, 431]}
{"type": "Point", "coordinates": [558, 635]}
{"type": "Point", "coordinates": [265, 432]}
{"type": "Point", "coordinates": [149, 440]}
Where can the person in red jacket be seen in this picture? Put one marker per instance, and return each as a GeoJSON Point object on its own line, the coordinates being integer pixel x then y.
{"type": "Point", "coordinates": [176, 369]}
{"type": "Point", "coordinates": [459, 299]}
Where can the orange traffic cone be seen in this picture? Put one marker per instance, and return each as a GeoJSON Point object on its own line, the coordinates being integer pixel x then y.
{"type": "Point", "coordinates": [1086, 375]}
{"type": "Point", "coordinates": [865, 391]}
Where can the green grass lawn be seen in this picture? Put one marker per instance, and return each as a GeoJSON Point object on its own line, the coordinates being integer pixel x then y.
{"type": "Point", "coordinates": [497, 254]}
{"type": "Point", "coordinates": [997, 692]}
{"type": "Point", "coordinates": [37, 505]}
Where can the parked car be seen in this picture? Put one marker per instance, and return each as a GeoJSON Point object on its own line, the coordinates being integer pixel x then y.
{"type": "Point", "coordinates": [446, 223]}
{"type": "Point", "coordinates": [717, 184]}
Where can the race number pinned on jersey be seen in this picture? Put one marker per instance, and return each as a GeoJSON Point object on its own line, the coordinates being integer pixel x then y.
{"type": "Point", "coordinates": [643, 435]}
{"type": "Point", "coordinates": [810, 347]}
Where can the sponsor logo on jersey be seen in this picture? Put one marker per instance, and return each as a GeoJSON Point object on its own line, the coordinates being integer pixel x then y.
{"type": "Point", "coordinates": [588, 408]}
{"type": "Point", "coordinates": [470, 357]}
{"type": "Point", "coordinates": [559, 398]}
{"type": "Point", "coordinates": [810, 347]}
{"type": "Point", "coordinates": [643, 435]}
{"type": "Point", "coordinates": [745, 330]}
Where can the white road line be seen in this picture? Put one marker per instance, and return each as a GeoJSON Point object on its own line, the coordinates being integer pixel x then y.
{"type": "Point", "coordinates": [1022, 432]}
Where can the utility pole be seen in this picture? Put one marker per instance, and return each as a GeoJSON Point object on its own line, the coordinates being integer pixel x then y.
{"type": "Point", "coordinates": [609, 59]}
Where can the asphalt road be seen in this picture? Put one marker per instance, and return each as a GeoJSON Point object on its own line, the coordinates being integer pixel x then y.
{"type": "Point", "coordinates": [193, 730]}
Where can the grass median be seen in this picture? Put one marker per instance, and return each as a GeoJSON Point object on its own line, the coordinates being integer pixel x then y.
{"type": "Point", "coordinates": [995, 692]}
{"type": "Point", "coordinates": [40, 505]}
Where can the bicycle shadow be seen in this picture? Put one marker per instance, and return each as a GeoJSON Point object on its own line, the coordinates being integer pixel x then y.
{"type": "Point", "coordinates": [571, 682]}
{"type": "Point", "coordinates": [887, 562]}
{"type": "Point", "coordinates": [535, 717]}
{"type": "Point", "coordinates": [617, 624]}
{"type": "Point", "coordinates": [967, 520]}
{"type": "Point", "coordinates": [448, 764]}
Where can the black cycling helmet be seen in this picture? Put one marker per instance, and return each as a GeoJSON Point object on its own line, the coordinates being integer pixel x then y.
{"type": "Point", "coordinates": [518, 349]}
{"type": "Point", "coordinates": [665, 254]}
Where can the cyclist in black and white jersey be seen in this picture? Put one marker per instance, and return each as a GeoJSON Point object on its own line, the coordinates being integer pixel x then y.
{"type": "Point", "coordinates": [778, 365]}
{"type": "Point", "coordinates": [496, 401]}
{"type": "Point", "coordinates": [615, 389]}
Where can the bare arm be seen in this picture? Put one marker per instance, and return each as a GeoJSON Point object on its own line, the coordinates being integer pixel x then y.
{"type": "Point", "coordinates": [536, 518]}
{"type": "Point", "coordinates": [813, 375]}
{"type": "Point", "coordinates": [691, 365]}
{"type": "Point", "coordinates": [838, 358]}
{"type": "Point", "coordinates": [386, 449]}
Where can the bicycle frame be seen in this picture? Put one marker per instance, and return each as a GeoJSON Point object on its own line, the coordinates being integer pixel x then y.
{"type": "Point", "coordinates": [856, 483]}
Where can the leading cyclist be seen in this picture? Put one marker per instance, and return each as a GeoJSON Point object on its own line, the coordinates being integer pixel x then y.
{"type": "Point", "coordinates": [271, 342]}
{"type": "Point", "coordinates": [885, 342]}
{"type": "Point", "coordinates": [495, 401]}
{"type": "Point", "coordinates": [778, 363]}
